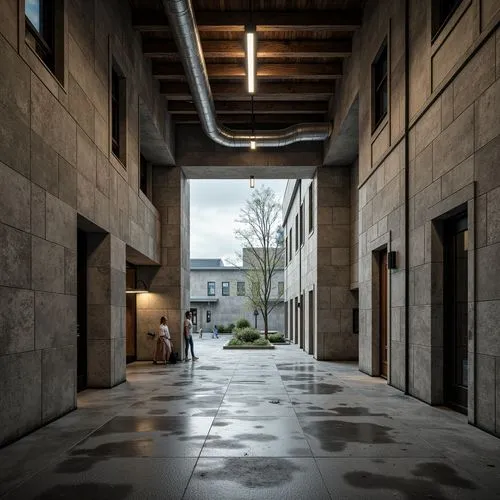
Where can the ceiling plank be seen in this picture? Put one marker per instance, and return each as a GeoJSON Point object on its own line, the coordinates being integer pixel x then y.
{"type": "Point", "coordinates": [175, 71]}
{"type": "Point", "coordinates": [259, 107]}
{"type": "Point", "coordinates": [261, 119]}
{"type": "Point", "coordinates": [306, 20]}
{"type": "Point", "coordinates": [280, 91]}
{"type": "Point", "coordinates": [157, 47]}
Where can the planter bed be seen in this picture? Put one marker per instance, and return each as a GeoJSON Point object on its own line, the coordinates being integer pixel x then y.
{"type": "Point", "coordinates": [248, 346]}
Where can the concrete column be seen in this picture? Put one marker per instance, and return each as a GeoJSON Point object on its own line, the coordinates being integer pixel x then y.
{"type": "Point", "coordinates": [168, 284]}
{"type": "Point", "coordinates": [335, 339]}
{"type": "Point", "coordinates": [106, 333]}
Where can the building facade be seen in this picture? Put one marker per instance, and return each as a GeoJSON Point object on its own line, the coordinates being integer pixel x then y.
{"type": "Point", "coordinates": [400, 266]}
{"type": "Point", "coordinates": [219, 295]}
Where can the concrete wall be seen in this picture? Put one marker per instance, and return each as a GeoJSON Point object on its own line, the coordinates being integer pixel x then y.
{"type": "Point", "coordinates": [453, 147]}
{"type": "Point", "coordinates": [322, 265]}
{"type": "Point", "coordinates": [228, 309]}
{"type": "Point", "coordinates": [56, 170]}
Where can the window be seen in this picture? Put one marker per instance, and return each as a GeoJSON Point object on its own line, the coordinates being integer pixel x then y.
{"type": "Point", "coordinates": [118, 113]}
{"type": "Point", "coordinates": [290, 239]}
{"type": "Point", "coordinates": [302, 224]}
{"type": "Point", "coordinates": [240, 288]}
{"type": "Point", "coordinates": [442, 10]}
{"type": "Point", "coordinates": [297, 232]}
{"type": "Point", "coordinates": [311, 208]}
{"type": "Point", "coordinates": [286, 250]}
{"type": "Point", "coordinates": [40, 16]}
{"type": "Point", "coordinates": [281, 288]}
{"type": "Point", "coordinates": [225, 288]}
{"type": "Point", "coordinates": [143, 176]}
{"type": "Point", "coordinates": [211, 288]}
{"type": "Point", "coordinates": [379, 86]}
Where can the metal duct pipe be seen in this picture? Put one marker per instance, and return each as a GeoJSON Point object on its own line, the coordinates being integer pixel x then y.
{"type": "Point", "coordinates": [181, 19]}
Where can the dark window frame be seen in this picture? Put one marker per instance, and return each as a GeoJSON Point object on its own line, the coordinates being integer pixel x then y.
{"type": "Point", "coordinates": [118, 97]}
{"type": "Point", "coordinates": [311, 209]}
{"type": "Point", "coordinates": [291, 245]}
{"type": "Point", "coordinates": [441, 12]}
{"type": "Point", "coordinates": [45, 39]}
{"type": "Point", "coordinates": [380, 86]}
{"type": "Point", "coordinates": [301, 224]}
{"type": "Point", "coordinates": [296, 232]}
{"type": "Point", "coordinates": [286, 250]}
{"type": "Point", "coordinates": [209, 287]}
{"type": "Point", "coordinates": [239, 285]}
{"type": "Point", "coordinates": [228, 289]}
{"type": "Point", "coordinates": [281, 288]}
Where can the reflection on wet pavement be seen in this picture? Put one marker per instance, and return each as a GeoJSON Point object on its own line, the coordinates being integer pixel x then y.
{"type": "Point", "coordinates": [235, 424]}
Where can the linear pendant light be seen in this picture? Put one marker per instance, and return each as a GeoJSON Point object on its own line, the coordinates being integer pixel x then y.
{"type": "Point", "coordinates": [251, 43]}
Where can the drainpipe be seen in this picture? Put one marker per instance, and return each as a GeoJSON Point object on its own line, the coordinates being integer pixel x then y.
{"type": "Point", "coordinates": [406, 192]}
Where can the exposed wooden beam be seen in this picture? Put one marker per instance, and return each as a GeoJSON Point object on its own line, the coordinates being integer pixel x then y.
{"type": "Point", "coordinates": [158, 47]}
{"type": "Point", "coordinates": [307, 20]}
{"type": "Point", "coordinates": [277, 91]}
{"type": "Point", "coordinates": [282, 71]}
{"type": "Point", "coordinates": [261, 119]}
{"type": "Point", "coordinates": [260, 107]}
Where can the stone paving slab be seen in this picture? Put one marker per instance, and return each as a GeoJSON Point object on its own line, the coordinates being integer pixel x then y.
{"type": "Point", "coordinates": [252, 425]}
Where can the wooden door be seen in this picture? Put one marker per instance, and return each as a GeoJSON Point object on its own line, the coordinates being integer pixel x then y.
{"type": "Point", "coordinates": [383, 313]}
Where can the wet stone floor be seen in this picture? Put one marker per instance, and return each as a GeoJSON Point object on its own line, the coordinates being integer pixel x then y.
{"type": "Point", "coordinates": [252, 425]}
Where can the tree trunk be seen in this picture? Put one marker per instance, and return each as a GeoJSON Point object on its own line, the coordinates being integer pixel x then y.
{"type": "Point", "coordinates": [266, 329]}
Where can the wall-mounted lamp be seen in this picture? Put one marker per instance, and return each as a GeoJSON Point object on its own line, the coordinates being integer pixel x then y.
{"type": "Point", "coordinates": [251, 43]}
{"type": "Point", "coordinates": [252, 181]}
{"type": "Point", "coordinates": [253, 145]}
{"type": "Point", "coordinates": [140, 287]}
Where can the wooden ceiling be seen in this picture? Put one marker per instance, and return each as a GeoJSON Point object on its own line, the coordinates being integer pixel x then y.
{"type": "Point", "coordinates": [300, 48]}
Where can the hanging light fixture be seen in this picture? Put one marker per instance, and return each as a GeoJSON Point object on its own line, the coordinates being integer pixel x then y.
{"type": "Point", "coordinates": [140, 287]}
{"type": "Point", "coordinates": [251, 48]}
{"type": "Point", "coordinates": [252, 181]}
{"type": "Point", "coordinates": [253, 143]}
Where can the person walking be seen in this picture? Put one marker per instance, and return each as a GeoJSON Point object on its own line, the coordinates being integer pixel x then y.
{"type": "Point", "coordinates": [188, 336]}
{"type": "Point", "coordinates": [163, 344]}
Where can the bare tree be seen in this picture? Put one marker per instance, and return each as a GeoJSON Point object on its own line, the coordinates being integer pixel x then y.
{"type": "Point", "coordinates": [261, 235]}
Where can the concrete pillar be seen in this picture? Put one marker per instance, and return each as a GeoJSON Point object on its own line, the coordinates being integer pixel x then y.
{"type": "Point", "coordinates": [106, 334]}
{"type": "Point", "coordinates": [335, 339]}
{"type": "Point", "coordinates": [168, 284]}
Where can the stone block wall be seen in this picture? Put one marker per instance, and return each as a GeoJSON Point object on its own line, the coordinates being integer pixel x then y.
{"type": "Point", "coordinates": [57, 173]}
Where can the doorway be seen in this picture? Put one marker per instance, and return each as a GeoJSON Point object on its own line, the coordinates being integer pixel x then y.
{"type": "Point", "coordinates": [311, 322]}
{"type": "Point", "coordinates": [383, 312]}
{"type": "Point", "coordinates": [455, 313]}
{"type": "Point", "coordinates": [302, 322]}
{"type": "Point", "coordinates": [81, 311]}
{"type": "Point", "coordinates": [131, 302]}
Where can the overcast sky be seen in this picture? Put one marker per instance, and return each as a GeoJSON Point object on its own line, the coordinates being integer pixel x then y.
{"type": "Point", "coordinates": [215, 204]}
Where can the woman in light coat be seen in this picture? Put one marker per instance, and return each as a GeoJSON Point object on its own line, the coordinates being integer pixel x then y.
{"type": "Point", "coordinates": [163, 344]}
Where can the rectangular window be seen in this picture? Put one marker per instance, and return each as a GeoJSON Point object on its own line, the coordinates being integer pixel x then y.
{"type": "Point", "coordinates": [442, 10]}
{"type": "Point", "coordinates": [194, 316]}
{"type": "Point", "coordinates": [143, 176]}
{"type": "Point", "coordinates": [40, 16]}
{"type": "Point", "coordinates": [290, 239]}
{"type": "Point", "coordinates": [240, 288]}
{"type": "Point", "coordinates": [118, 113]}
{"type": "Point", "coordinates": [311, 208]}
{"type": "Point", "coordinates": [225, 288]}
{"type": "Point", "coordinates": [302, 224]}
{"type": "Point", "coordinates": [286, 250]}
{"type": "Point", "coordinates": [379, 86]}
{"type": "Point", "coordinates": [296, 232]}
{"type": "Point", "coordinates": [211, 288]}
{"type": "Point", "coordinates": [281, 288]}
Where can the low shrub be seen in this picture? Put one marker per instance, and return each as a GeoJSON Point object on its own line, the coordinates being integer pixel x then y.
{"type": "Point", "coordinates": [276, 337]}
{"type": "Point", "coordinates": [261, 341]}
{"type": "Point", "coordinates": [235, 341]}
{"type": "Point", "coordinates": [247, 334]}
{"type": "Point", "coordinates": [230, 328]}
{"type": "Point", "coordinates": [242, 323]}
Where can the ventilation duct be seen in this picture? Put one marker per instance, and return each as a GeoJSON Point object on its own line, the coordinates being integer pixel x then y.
{"type": "Point", "coordinates": [181, 19]}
